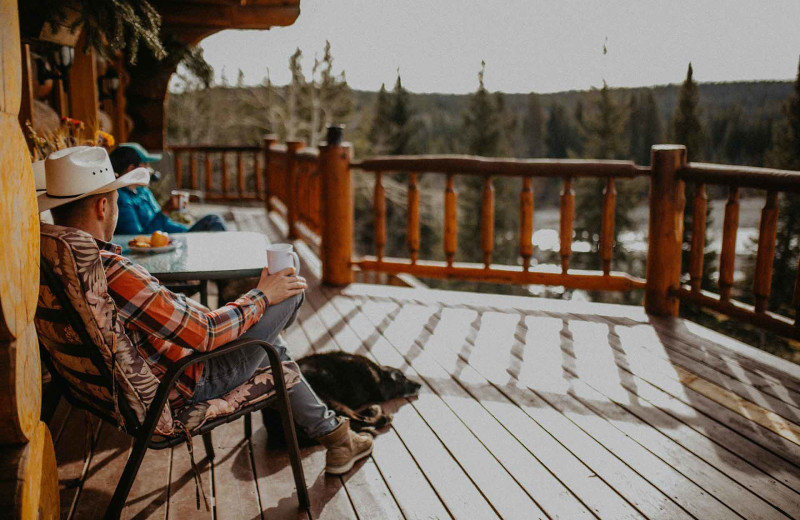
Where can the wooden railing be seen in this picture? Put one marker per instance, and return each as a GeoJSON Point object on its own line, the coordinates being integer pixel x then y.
{"type": "Point", "coordinates": [313, 190]}
{"type": "Point", "coordinates": [488, 170]}
{"type": "Point", "coordinates": [773, 184]}
{"type": "Point", "coordinates": [220, 172]}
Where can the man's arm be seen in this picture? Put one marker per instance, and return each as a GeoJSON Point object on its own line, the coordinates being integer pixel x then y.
{"type": "Point", "coordinates": [145, 304]}
{"type": "Point", "coordinates": [160, 221]}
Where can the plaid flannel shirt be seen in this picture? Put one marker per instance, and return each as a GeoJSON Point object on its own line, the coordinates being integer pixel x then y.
{"type": "Point", "coordinates": [165, 326]}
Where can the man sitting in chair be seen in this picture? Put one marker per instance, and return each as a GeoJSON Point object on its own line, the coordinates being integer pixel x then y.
{"type": "Point", "coordinates": [164, 326]}
{"type": "Point", "coordinates": [139, 212]}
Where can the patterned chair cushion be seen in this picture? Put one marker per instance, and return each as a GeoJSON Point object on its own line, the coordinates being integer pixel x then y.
{"type": "Point", "coordinates": [259, 387]}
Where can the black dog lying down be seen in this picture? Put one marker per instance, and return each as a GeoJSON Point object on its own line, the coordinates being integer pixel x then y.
{"type": "Point", "coordinates": [350, 385]}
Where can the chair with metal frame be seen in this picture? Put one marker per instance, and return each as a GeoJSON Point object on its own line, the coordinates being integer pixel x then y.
{"type": "Point", "coordinates": [143, 431]}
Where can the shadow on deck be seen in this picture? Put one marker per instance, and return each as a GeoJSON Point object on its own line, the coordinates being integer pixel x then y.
{"type": "Point", "coordinates": [530, 408]}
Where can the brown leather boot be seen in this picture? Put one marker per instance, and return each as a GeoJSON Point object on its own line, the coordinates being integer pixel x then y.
{"type": "Point", "coordinates": [345, 447]}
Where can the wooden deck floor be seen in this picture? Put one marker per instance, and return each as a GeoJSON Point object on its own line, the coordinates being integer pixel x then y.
{"type": "Point", "coordinates": [530, 408]}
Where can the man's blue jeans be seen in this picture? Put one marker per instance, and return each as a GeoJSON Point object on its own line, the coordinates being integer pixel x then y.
{"type": "Point", "coordinates": [210, 222]}
{"type": "Point", "coordinates": [225, 373]}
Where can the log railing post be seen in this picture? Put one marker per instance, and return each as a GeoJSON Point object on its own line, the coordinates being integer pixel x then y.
{"type": "Point", "coordinates": [665, 236]}
{"type": "Point", "coordinates": [337, 210]}
{"type": "Point", "coordinates": [178, 171]}
{"type": "Point", "coordinates": [269, 140]}
{"type": "Point", "coordinates": [292, 186]}
{"type": "Point", "coordinates": [526, 222]}
{"type": "Point", "coordinates": [450, 220]}
{"type": "Point", "coordinates": [412, 231]}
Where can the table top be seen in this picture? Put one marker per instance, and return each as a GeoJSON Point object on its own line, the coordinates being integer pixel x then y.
{"type": "Point", "coordinates": [220, 255]}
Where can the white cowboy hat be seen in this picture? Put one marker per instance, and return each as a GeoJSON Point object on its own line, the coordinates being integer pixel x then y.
{"type": "Point", "coordinates": [78, 172]}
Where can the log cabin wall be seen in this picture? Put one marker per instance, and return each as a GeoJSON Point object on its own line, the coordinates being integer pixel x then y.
{"type": "Point", "coordinates": [28, 473]}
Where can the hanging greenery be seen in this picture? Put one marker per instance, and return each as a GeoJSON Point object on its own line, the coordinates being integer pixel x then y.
{"type": "Point", "coordinates": [191, 57]}
{"type": "Point", "coordinates": [111, 25]}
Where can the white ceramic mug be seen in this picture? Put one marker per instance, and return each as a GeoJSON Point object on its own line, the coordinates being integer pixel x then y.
{"type": "Point", "coordinates": [282, 256]}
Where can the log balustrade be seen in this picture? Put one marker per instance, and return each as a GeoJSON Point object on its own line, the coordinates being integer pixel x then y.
{"type": "Point", "coordinates": [312, 190]}
{"type": "Point", "coordinates": [220, 172]}
{"type": "Point", "coordinates": [772, 185]}
{"type": "Point", "coordinates": [492, 171]}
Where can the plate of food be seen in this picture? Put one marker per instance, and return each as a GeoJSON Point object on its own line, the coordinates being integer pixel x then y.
{"type": "Point", "coordinates": [158, 242]}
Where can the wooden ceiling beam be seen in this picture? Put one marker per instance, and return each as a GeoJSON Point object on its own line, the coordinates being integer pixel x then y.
{"type": "Point", "coordinates": [186, 15]}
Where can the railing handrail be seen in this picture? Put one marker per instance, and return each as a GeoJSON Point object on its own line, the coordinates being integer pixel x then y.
{"type": "Point", "coordinates": [741, 176]}
{"type": "Point", "coordinates": [486, 166]}
{"type": "Point", "coordinates": [214, 148]}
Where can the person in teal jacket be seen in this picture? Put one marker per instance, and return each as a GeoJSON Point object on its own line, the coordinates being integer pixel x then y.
{"type": "Point", "coordinates": [139, 212]}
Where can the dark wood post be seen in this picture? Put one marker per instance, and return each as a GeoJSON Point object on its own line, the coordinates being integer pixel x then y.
{"type": "Point", "coordinates": [269, 140]}
{"type": "Point", "coordinates": [292, 185]}
{"type": "Point", "coordinates": [667, 199]}
{"type": "Point", "coordinates": [337, 212]}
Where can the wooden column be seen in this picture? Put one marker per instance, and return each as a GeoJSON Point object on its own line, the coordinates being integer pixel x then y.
{"type": "Point", "coordinates": [120, 122]}
{"type": "Point", "coordinates": [665, 238]}
{"type": "Point", "coordinates": [26, 102]}
{"type": "Point", "coordinates": [337, 214]}
{"type": "Point", "coordinates": [292, 183]}
{"type": "Point", "coordinates": [267, 143]}
{"type": "Point", "coordinates": [84, 105]}
{"type": "Point", "coordinates": [28, 472]}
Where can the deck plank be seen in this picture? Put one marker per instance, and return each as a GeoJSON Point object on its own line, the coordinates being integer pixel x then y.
{"type": "Point", "coordinates": [235, 491]}
{"type": "Point", "coordinates": [780, 495]}
{"type": "Point", "coordinates": [278, 496]}
{"type": "Point", "coordinates": [550, 493]}
{"type": "Point", "coordinates": [668, 378]}
{"type": "Point", "coordinates": [403, 478]}
{"type": "Point", "coordinates": [640, 493]}
{"type": "Point", "coordinates": [182, 489]}
{"type": "Point", "coordinates": [663, 353]}
{"type": "Point", "coordinates": [588, 345]}
{"type": "Point", "coordinates": [505, 494]}
{"type": "Point", "coordinates": [72, 458]}
{"type": "Point", "coordinates": [105, 467]}
{"type": "Point", "coordinates": [452, 485]}
{"type": "Point", "coordinates": [699, 338]}
{"type": "Point", "coordinates": [149, 496]}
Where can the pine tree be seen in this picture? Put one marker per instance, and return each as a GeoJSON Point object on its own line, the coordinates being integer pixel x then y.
{"type": "Point", "coordinates": [688, 131]}
{"type": "Point", "coordinates": [402, 134]}
{"type": "Point", "coordinates": [604, 129]}
{"type": "Point", "coordinates": [558, 136]}
{"type": "Point", "coordinates": [785, 154]}
{"type": "Point", "coordinates": [482, 124]}
{"type": "Point", "coordinates": [533, 127]}
{"type": "Point", "coordinates": [644, 126]}
{"type": "Point", "coordinates": [484, 128]}
{"type": "Point", "coordinates": [331, 100]}
{"type": "Point", "coordinates": [605, 138]}
{"type": "Point", "coordinates": [686, 127]}
{"type": "Point", "coordinates": [381, 126]}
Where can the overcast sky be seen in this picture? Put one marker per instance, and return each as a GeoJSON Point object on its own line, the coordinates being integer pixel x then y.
{"type": "Point", "coordinates": [528, 45]}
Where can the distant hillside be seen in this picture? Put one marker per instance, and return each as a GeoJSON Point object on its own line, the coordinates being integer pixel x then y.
{"type": "Point", "coordinates": [737, 116]}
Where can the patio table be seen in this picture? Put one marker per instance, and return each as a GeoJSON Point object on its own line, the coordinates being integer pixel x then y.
{"type": "Point", "coordinates": [225, 255]}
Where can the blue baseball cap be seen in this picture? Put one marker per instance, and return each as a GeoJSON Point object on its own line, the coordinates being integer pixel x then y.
{"type": "Point", "coordinates": [144, 155]}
